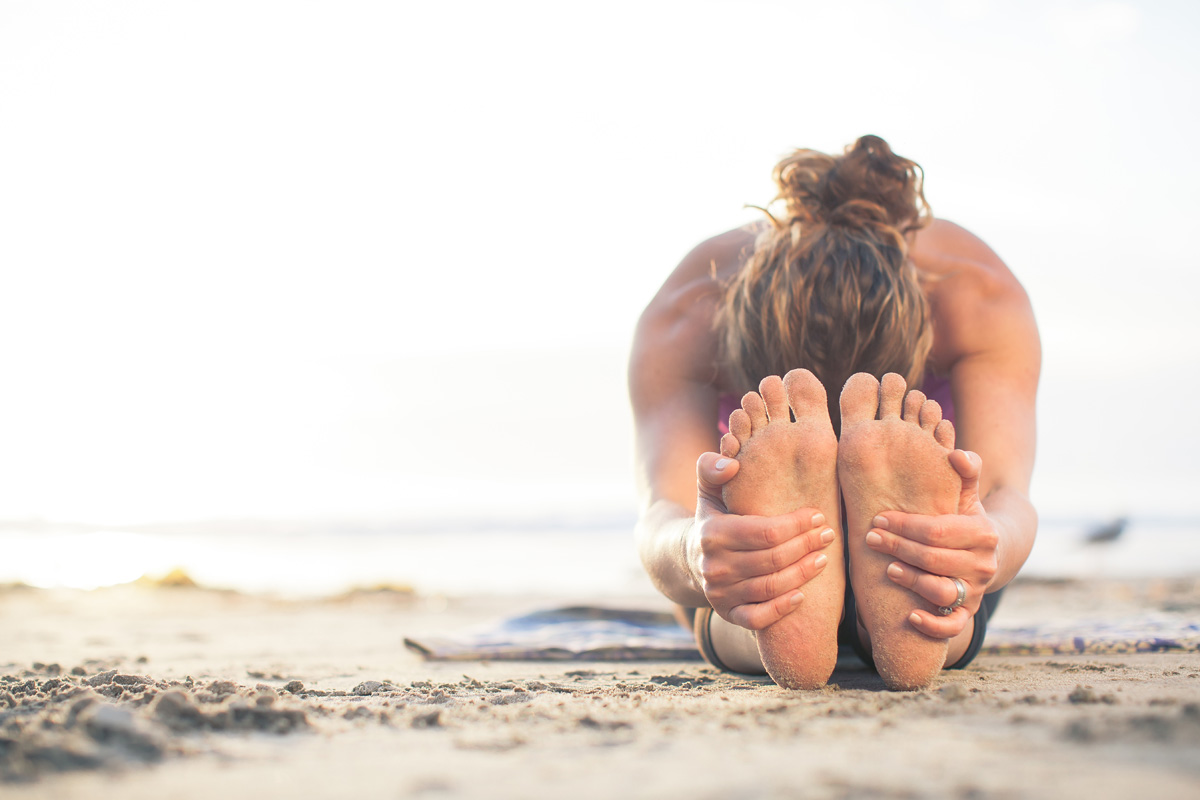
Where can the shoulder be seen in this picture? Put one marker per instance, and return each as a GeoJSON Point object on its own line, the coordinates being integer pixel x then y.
{"type": "Point", "coordinates": [978, 305]}
{"type": "Point", "coordinates": [675, 334]}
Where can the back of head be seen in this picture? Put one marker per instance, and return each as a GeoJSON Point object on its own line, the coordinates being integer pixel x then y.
{"type": "Point", "coordinates": [829, 286]}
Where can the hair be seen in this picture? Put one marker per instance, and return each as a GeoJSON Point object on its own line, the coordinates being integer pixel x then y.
{"type": "Point", "coordinates": [830, 286]}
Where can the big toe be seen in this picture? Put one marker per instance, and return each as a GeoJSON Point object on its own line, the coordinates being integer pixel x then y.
{"type": "Point", "coordinates": [860, 399]}
{"type": "Point", "coordinates": [805, 394]}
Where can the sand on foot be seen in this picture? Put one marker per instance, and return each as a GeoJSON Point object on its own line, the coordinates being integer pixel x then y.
{"type": "Point", "coordinates": [786, 465]}
{"type": "Point", "coordinates": [893, 455]}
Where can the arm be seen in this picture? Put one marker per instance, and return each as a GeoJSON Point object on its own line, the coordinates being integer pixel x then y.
{"type": "Point", "coordinates": [985, 332]}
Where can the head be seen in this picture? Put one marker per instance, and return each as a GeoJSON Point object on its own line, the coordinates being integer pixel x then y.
{"type": "Point", "coordinates": [829, 286]}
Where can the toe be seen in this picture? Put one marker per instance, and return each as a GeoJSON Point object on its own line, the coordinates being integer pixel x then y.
{"type": "Point", "coordinates": [891, 395]}
{"type": "Point", "coordinates": [931, 415]}
{"type": "Point", "coordinates": [860, 399]}
{"type": "Point", "coordinates": [805, 394]}
{"type": "Point", "coordinates": [739, 426]}
{"type": "Point", "coordinates": [944, 433]}
{"type": "Point", "coordinates": [912, 406]}
{"type": "Point", "coordinates": [730, 446]}
{"type": "Point", "coordinates": [774, 398]}
{"type": "Point", "coordinates": [754, 407]}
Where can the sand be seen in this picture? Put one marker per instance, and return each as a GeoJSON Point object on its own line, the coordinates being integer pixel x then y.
{"type": "Point", "coordinates": [139, 692]}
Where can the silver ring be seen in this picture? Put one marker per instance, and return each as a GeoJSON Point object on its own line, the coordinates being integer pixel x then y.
{"type": "Point", "coordinates": [946, 611]}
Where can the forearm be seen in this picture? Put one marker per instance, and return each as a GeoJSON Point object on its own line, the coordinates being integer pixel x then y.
{"type": "Point", "coordinates": [1015, 521]}
{"type": "Point", "coordinates": [662, 536]}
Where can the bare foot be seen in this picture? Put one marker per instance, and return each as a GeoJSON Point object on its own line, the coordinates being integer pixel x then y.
{"type": "Point", "coordinates": [784, 466]}
{"type": "Point", "coordinates": [887, 462]}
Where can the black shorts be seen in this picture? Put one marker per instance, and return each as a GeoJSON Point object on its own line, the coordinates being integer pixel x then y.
{"type": "Point", "coordinates": [848, 629]}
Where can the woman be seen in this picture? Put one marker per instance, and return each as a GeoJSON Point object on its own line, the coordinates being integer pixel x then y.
{"type": "Point", "coordinates": [853, 294]}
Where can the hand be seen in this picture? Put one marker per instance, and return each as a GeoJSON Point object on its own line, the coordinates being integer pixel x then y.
{"type": "Point", "coordinates": [751, 568]}
{"type": "Point", "coordinates": [961, 545]}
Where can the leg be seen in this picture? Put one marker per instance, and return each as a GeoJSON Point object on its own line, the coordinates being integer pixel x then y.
{"type": "Point", "coordinates": [887, 461]}
{"type": "Point", "coordinates": [727, 646]}
{"type": "Point", "coordinates": [785, 466]}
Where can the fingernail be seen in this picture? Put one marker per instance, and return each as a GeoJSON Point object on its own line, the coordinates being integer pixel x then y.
{"type": "Point", "coordinates": [818, 519]}
{"type": "Point", "coordinates": [894, 570]}
{"type": "Point", "coordinates": [827, 536]}
{"type": "Point", "coordinates": [914, 618]}
{"type": "Point", "coordinates": [721, 464]}
{"type": "Point", "coordinates": [797, 599]}
{"type": "Point", "coordinates": [874, 539]}
{"type": "Point", "coordinates": [879, 522]}
{"type": "Point", "coordinates": [820, 561]}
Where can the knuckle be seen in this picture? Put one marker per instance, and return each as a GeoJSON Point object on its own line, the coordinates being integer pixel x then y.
{"type": "Point", "coordinates": [807, 569]}
{"type": "Point", "coordinates": [757, 619]}
{"type": "Point", "coordinates": [813, 541]}
{"type": "Point", "coordinates": [778, 559]}
{"type": "Point", "coordinates": [935, 563]}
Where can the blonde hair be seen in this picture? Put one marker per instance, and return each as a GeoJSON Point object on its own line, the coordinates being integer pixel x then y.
{"type": "Point", "coordinates": [830, 286]}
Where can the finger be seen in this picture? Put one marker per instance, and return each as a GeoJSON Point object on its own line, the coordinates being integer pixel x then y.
{"type": "Point", "coordinates": [969, 466]}
{"type": "Point", "coordinates": [756, 616]}
{"type": "Point", "coordinates": [934, 588]}
{"type": "Point", "coordinates": [953, 531]}
{"type": "Point", "coordinates": [712, 472]}
{"type": "Point", "coordinates": [940, 627]}
{"type": "Point", "coordinates": [938, 560]}
{"type": "Point", "coordinates": [764, 533]}
{"type": "Point", "coordinates": [764, 587]}
{"type": "Point", "coordinates": [752, 563]}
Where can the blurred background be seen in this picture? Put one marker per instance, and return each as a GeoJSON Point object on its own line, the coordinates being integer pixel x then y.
{"type": "Point", "coordinates": [305, 295]}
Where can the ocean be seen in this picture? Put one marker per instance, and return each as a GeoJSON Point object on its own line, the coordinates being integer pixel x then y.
{"type": "Point", "coordinates": [526, 557]}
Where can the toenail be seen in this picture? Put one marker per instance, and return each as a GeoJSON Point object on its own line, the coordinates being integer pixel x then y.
{"type": "Point", "coordinates": [818, 519]}
{"type": "Point", "coordinates": [879, 522]}
{"type": "Point", "coordinates": [721, 464]}
{"type": "Point", "coordinates": [874, 539]}
{"type": "Point", "coordinates": [827, 536]}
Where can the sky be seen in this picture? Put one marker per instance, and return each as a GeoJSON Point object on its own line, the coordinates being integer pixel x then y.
{"type": "Point", "coordinates": [383, 260]}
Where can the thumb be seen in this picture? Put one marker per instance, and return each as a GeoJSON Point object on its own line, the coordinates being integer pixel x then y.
{"type": "Point", "coordinates": [968, 465]}
{"type": "Point", "coordinates": [712, 472]}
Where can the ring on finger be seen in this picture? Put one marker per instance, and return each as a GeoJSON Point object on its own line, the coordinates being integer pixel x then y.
{"type": "Point", "coordinates": [946, 611]}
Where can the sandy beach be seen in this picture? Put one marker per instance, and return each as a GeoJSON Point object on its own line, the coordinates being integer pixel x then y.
{"type": "Point", "coordinates": [151, 692]}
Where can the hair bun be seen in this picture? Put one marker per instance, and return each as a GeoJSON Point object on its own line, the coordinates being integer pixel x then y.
{"type": "Point", "coordinates": [868, 185]}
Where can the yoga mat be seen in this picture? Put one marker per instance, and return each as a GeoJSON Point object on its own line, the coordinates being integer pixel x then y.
{"type": "Point", "coordinates": [586, 633]}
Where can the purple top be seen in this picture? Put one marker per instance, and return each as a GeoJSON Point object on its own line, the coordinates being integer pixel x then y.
{"type": "Point", "coordinates": [935, 387]}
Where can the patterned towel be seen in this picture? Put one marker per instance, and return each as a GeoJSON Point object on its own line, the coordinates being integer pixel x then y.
{"type": "Point", "coordinates": [584, 633]}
